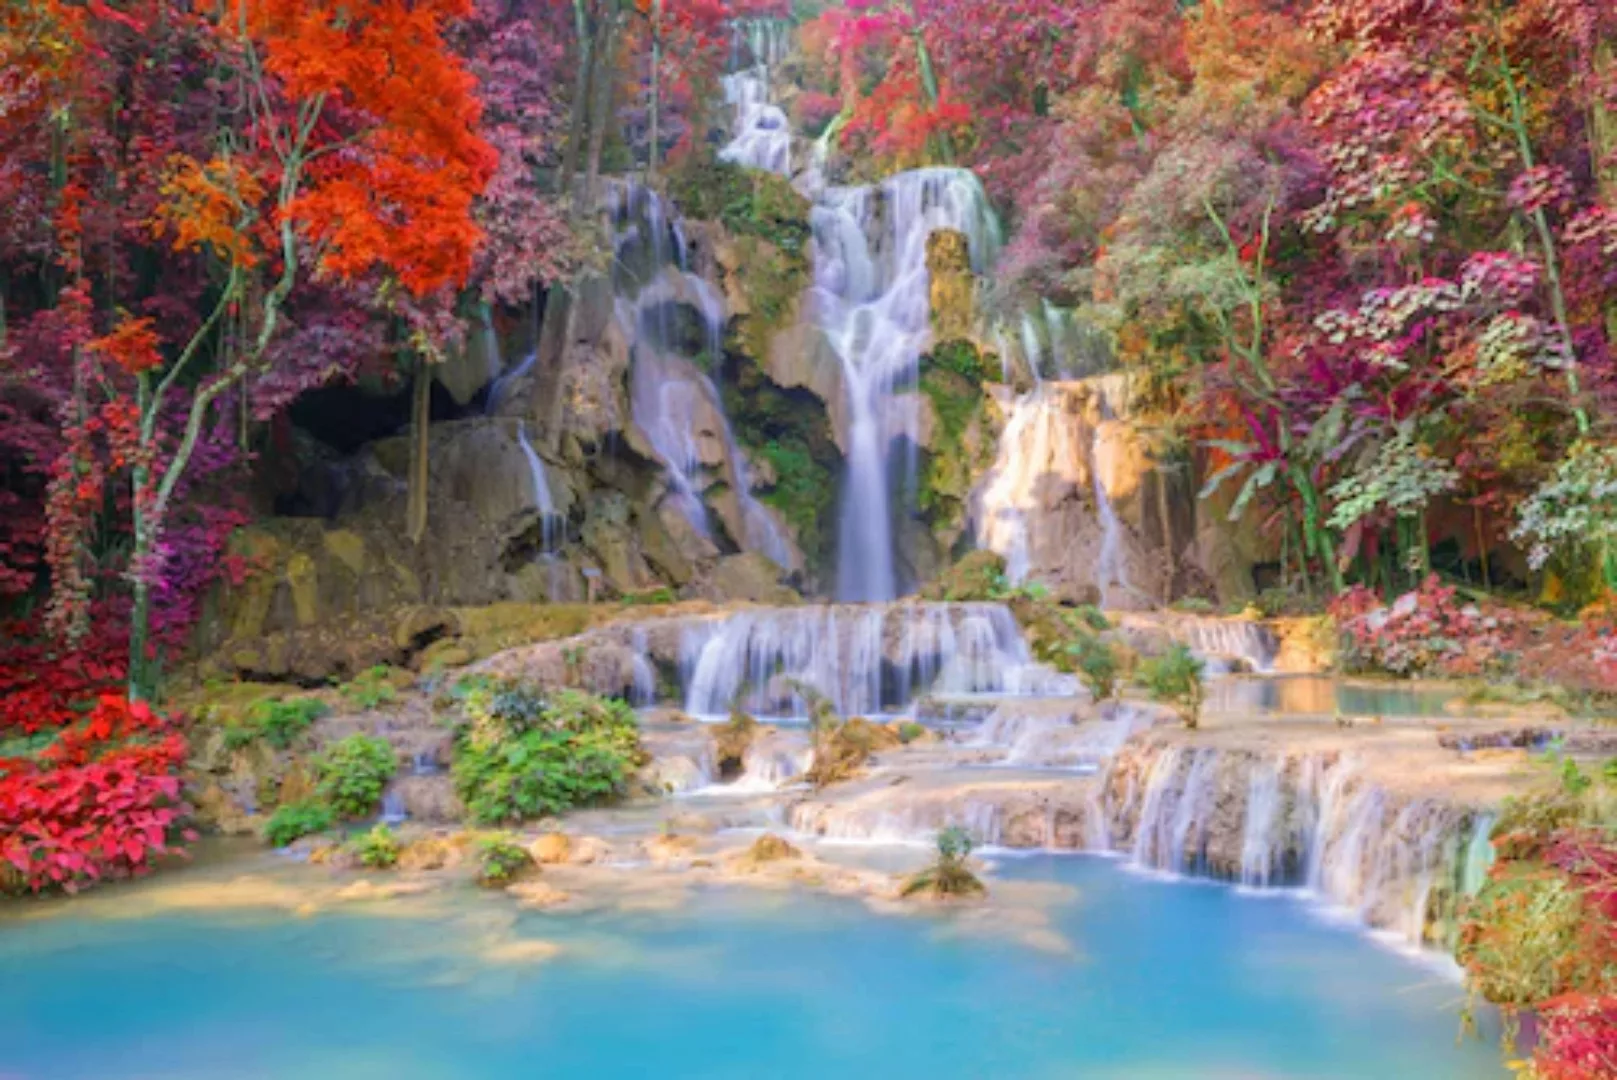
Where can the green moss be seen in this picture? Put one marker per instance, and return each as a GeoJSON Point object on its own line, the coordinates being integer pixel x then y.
{"type": "Point", "coordinates": [749, 203]}
{"type": "Point", "coordinates": [791, 431]}
{"type": "Point", "coordinates": [770, 223]}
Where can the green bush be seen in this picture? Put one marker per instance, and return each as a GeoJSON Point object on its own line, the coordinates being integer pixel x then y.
{"type": "Point", "coordinates": [377, 849]}
{"type": "Point", "coordinates": [353, 772]}
{"type": "Point", "coordinates": [1096, 665]}
{"type": "Point", "coordinates": [297, 820]}
{"type": "Point", "coordinates": [521, 754]}
{"type": "Point", "coordinates": [278, 723]}
{"type": "Point", "coordinates": [1176, 677]}
{"type": "Point", "coordinates": [500, 861]}
{"type": "Point", "coordinates": [948, 875]}
{"type": "Point", "coordinates": [909, 731]}
{"type": "Point", "coordinates": [370, 689]}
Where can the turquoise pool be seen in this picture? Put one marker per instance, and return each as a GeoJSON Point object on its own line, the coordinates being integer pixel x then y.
{"type": "Point", "coordinates": [1163, 981]}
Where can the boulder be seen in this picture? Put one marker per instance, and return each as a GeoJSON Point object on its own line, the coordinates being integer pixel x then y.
{"type": "Point", "coordinates": [748, 577]}
{"type": "Point", "coordinates": [551, 848]}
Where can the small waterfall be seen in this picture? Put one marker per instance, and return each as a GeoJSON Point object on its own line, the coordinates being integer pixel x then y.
{"type": "Point", "coordinates": [863, 659]}
{"type": "Point", "coordinates": [643, 693]}
{"type": "Point", "coordinates": [1158, 802]}
{"type": "Point", "coordinates": [501, 385]}
{"type": "Point", "coordinates": [1039, 455]}
{"type": "Point", "coordinates": [1111, 572]}
{"type": "Point", "coordinates": [425, 763]}
{"type": "Point", "coordinates": [1262, 857]}
{"type": "Point", "coordinates": [673, 402]}
{"type": "Point", "coordinates": [1250, 642]}
{"type": "Point", "coordinates": [762, 135]}
{"type": "Point", "coordinates": [393, 811]}
{"type": "Point", "coordinates": [871, 300]}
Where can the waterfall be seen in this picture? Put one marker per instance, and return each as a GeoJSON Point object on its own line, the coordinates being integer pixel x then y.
{"type": "Point", "coordinates": [1110, 569]}
{"type": "Point", "coordinates": [871, 300]}
{"type": "Point", "coordinates": [499, 387]}
{"type": "Point", "coordinates": [762, 135]}
{"type": "Point", "coordinates": [644, 690]}
{"type": "Point", "coordinates": [1250, 642]}
{"type": "Point", "coordinates": [1261, 855]}
{"type": "Point", "coordinates": [1038, 462]}
{"type": "Point", "coordinates": [393, 811]}
{"type": "Point", "coordinates": [541, 491]}
{"type": "Point", "coordinates": [673, 402]}
{"type": "Point", "coordinates": [865, 660]}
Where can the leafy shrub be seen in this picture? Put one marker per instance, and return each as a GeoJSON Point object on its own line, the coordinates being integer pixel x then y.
{"type": "Point", "coordinates": [370, 689]}
{"type": "Point", "coordinates": [102, 800]}
{"type": "Point", "coordinates": [909, 731]}
{"type": "Point", "coordinates": [948, 876]}
{"type": "Point", "coordinates": [500, 861]}
{"type": "Point", "coordinates": [650, 597]}
{"type": "Point", "coordinates": [1422, 632]}
{"type": "Point", "coordinates": [521, 754]}
{"type": "Point", "coordinates": [1176, 677]}
{"type": "Point", "coordinates": [353, 772]}
{"type": "Point", "coordinates": [1096, 664]}
{"type": "Point", "coordinates": [297, 820]}
{"type": "Point", "coordinates": [731, 741]}
{"type": "Point", "coordinates": [279, 723]}
{"type": "Point", "coordinates": [377, 849]}
{"type": "Point", "coordinates": [842, 747]}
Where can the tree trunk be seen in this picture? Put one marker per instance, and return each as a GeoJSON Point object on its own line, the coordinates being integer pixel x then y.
{"type": "Point", "coordinates": [600, 100]}
{"type": "Point", "coordinates": [579, 124]}
{"type": "Point", "coordinates": [421, 425]}
{"type": "Point", "coordinates": [1603, 149]}
{"type": "Point", "coordinates": [1603, 127]}
{"type": "Point", "coordinates": [656, 88]}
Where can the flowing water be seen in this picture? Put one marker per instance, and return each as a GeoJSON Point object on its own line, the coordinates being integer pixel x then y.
{"type": "Point", "coordinates": [673, 401]}
{"type": "Point", "coordinates": [871, 300]}
{"type": "Point", "coordinates": [1162, 982]}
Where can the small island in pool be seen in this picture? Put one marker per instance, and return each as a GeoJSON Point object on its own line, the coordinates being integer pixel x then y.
{"type": "Point", "coordinates": [754, 539]}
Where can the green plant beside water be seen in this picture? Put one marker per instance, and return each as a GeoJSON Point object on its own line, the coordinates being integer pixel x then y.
{"type": "Point", "coordinates": [353, 773]}
{"type": "Point", "coordinates": [948, 876]}
{"type": "Point", "coordinates": [377, 849]}
{"type": "Point", "coordinates": [1176, 677]}
{"type": "Point", "coordinates": [521, 754]}
{"type": "Point", "coordinates": [278, 723]}
{"type": "Point", "coordinates": [501, 861]}
{"type": "Point", "coordinates": [294, 821]}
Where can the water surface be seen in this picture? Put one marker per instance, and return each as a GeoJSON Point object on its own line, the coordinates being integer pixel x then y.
{"type": "Point", "coordinates": [1165, 980]}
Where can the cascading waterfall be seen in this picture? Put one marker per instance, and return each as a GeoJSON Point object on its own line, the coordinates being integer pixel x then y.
{"type": "Point", "coordinates": [762, 134]}
{"type": "Point", "coordinates": [672, 401]}
{"type": "Point", "coordinates": [864, 660]}
{"type": "Point", "coordinates": [871, 300]}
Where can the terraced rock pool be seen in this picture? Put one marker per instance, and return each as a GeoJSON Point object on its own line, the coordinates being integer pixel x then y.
{"type": "Point", "coordinates": [1136, 978]}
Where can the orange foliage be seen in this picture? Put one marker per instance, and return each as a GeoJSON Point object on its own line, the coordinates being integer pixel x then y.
{"type": "Point", "coordinates": [132, 345]}
{"type": "Point", "coordinates": [386, 176]}
{"type": "Point", "coordinates": [208, 205]}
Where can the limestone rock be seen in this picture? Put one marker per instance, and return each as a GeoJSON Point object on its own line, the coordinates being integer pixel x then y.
{"type": "Point", "coordinates": [750, 577]}
{"type": "Point", "coordinates": [551, 848]}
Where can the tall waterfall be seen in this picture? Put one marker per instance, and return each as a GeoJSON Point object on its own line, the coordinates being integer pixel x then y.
{"type": "Point", "coordinates": [672, 400]}
{"type": "Point", "coordinates": [871, 300]}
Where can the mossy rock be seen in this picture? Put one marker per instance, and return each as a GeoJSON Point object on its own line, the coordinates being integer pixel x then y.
{"type": "Point", "coordinates": [974, 578]}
